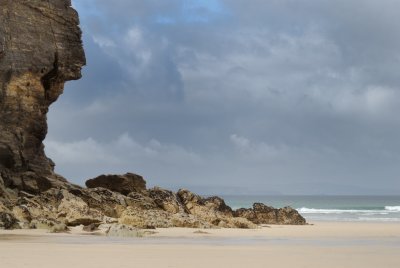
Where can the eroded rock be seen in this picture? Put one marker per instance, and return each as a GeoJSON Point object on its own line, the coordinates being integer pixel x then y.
{"type": "Point", "coordinates": [141, 201]}
{"type": "Point", "coordinates": [262, 214]}
{"type": "Point", "coordinates": [41, 49]}
{"type": "Point", "coordinates": [212, 209]}
{"type": "Point", "coordinates": [75, 211]}
{"type": "Point", "coordinates": [166, 200]}
{"type": "Point", "coordinates": [123, 184]}
{"type": "Point", "coordinates": [101, 199]}
{"type": "Point", "coordinates": [146, 219]}
{"type": "Point", "coordinates": [121, 230]}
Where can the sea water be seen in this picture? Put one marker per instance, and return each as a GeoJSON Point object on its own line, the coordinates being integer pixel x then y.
{"type": "Point", "coordinates": [329, 208]}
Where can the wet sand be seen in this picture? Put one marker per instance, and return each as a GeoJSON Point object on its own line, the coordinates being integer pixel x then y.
{"type": "Point", "coordinates": [322, 245]}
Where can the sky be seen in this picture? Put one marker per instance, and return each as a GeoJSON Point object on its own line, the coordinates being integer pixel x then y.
{"type": "Point", "coordinates": [235, 96]}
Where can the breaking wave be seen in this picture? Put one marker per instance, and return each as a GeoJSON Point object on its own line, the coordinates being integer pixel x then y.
{"type": "Point", "coordinates": [393, 208]}
{"type": "Point", "coordinates": [387, 213]}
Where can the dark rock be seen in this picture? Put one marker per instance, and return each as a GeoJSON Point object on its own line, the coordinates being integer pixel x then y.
{"type": "Point", "coordinates": [196, 204]}
{"type": "Point", "coordinates": [7, 220]}
{"type": "Point", "coordinates": [262, 214]}
{"type": "Point", "coordinates": [288, 215]}
{"type": "Point", "coordinates": [218, 204]}
{"type": "Point", "coordinates": [6, 195]}
{"type": "Point", "coordinates": [40, 49]}
{"type": "Point", "coordinates": [123, 184]}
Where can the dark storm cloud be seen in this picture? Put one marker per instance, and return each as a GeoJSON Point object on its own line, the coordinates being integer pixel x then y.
{"type": "Point", "coordinates": [249, 96]}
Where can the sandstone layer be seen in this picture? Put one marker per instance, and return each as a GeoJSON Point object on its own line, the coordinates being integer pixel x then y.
{"type": "Point", "coordinates": [41, 49]}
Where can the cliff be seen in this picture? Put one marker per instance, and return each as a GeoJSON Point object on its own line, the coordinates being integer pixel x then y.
{"type": "Point", "coordinates": [40, 49]}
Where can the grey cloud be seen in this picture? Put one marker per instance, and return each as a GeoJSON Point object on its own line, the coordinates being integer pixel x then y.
{"type": "Point", "coordinates": [262, 95]}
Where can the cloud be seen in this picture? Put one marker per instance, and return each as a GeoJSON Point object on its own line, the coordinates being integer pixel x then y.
{"type": "Point", "coordinates": [277, 92]}
{"type": "Point", "coordinates": [374, 101]}
{"type": "Point", "coordinates": [87, 158]}
{"type": "Point", "coordinates": [240, 142]}
{"type": "Point", "coordinates": [103, 42]}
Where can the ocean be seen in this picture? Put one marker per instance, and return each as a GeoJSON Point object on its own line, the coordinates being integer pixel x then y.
{"type": "Point", "coordinates": [329, 208]}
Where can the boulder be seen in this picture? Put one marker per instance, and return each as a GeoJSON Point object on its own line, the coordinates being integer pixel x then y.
{"type": "Point", "coordinates": [120, 230]}
{"type": "Point", "coordinates": [211, 209]}
{"type": "Point", "coordinates": [217, 204]}
{"type": "Point", "coordinates": [288, 215]}
{"type": "Point", "coordinates": [123, 184]}
{"type": "Point", "coordinates": [262, 214]}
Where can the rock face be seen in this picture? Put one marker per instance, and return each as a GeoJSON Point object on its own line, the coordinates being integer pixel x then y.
{"type": "Point", "coordinates": [40, 49]}
{"type": "Point", "coordinates": [123, 184]}
{"type": "Point", "coordinates": [262, 214]}
{"type": "Point", "coordinates": [166, 200]}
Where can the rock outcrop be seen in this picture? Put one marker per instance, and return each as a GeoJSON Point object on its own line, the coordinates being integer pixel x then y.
{"type": "Point", "coordinates": [123, 184]}
{"type": "Point", "coordinates": [41, 49]}
{"type": "Point", "coordinates": [213, 209]}
{"type": "Point", "coordinates": [145, 208]}
{"type": "Point", "coordinates": [262, 214]}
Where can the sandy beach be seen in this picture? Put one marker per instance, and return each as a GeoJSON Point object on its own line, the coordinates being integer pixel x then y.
{"type": "Point", "coordinates": [323, 244]}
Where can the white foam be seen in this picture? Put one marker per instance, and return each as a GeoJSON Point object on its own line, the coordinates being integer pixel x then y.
{"type": "Point", "coordinates": [393, 208]}
{"type": "Point", "coordinates": [337, 211]}
{"type": "Point", "coordinates": [379, 219]}
{"type": "Point", "coordinates": [375, 213]}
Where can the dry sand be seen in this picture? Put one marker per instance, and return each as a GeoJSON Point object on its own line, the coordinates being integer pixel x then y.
{"type": "Point", "coordinates": [322, 245]}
